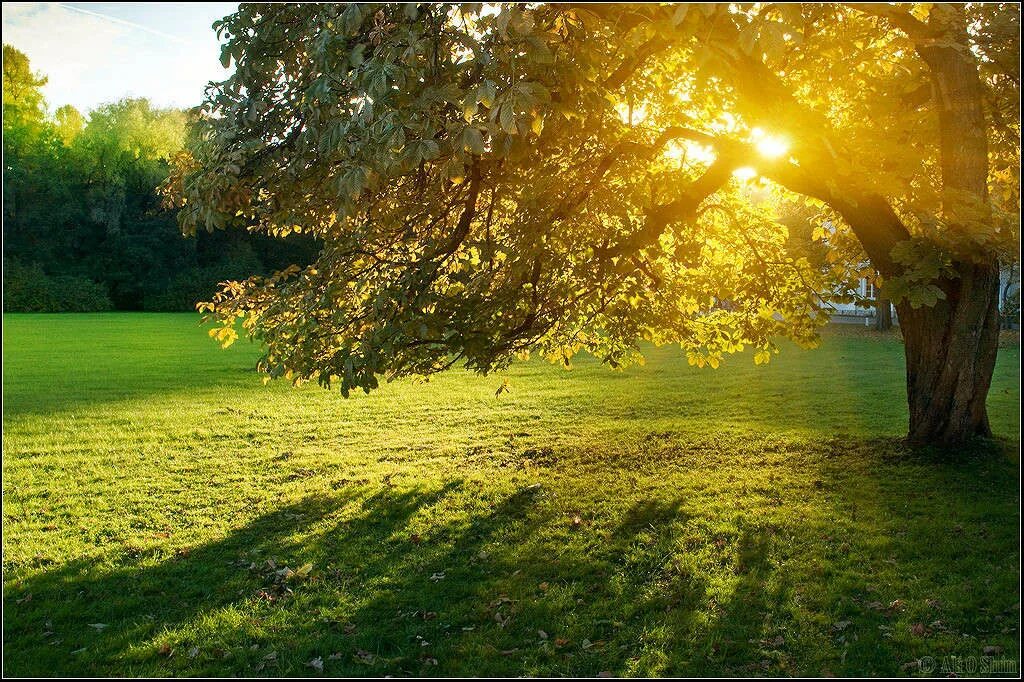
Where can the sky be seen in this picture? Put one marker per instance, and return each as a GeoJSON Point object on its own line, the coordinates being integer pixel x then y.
{"type": "Point", "coordinates": [99, 52]}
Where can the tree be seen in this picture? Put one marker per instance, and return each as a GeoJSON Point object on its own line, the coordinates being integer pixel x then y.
{"type": "Point", "coordinates": [883, 313]}
{"type": "Point", "coordinates": [492, 180]}
{"type": "Point", "coordinates": [38, 198]}
{"type": "Point", "coordinates": [69, 123]}
{"type": "Point", "coordinates": [22, 90]}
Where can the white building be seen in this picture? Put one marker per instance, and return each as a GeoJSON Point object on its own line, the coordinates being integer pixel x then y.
{"type": "Point", "coordinates": [862, 311]}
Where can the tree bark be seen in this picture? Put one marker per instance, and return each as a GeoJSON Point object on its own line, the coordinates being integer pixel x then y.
{"type": "Point", "coordinates": [951, 353]}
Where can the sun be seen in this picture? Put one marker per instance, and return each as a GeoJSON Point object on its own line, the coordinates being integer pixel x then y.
{"type": "Point", "coordinates": [769, 146]}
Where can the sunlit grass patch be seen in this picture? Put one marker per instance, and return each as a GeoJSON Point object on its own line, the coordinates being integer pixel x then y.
{"type": "Point", "coordinates": [160, 503]}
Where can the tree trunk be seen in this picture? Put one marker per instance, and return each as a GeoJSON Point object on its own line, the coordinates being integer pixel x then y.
{"type": "Point", "coordinates": [883, 312]}
{"type": "Point", "coordinates": [951, 352]}
{"type": "Point", "coordinates": [951, 347]}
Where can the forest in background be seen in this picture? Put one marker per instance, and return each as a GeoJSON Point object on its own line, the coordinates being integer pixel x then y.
{"type": "Point", "coordinates": [84, 227]}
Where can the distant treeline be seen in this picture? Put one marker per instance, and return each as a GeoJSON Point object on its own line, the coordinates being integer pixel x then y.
{"type": "Point", "coordinates": [84, 228]}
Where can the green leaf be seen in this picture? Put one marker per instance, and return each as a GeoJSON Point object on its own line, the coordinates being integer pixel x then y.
{"type": "Point", "coordinates": [355, 58]}
{"type": "Point", "coordinates": [469, 108]}
{"type": "Point", "coordinates": [487, 93]}
{"type": "Point", "coordinates": [431, 150]}
{"type": "Point", "coordinates": [473, 141]}
{"type": "Point", "coordinates": [507, 118]}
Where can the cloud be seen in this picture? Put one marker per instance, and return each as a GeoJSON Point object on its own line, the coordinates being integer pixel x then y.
{"type": "Point", "coordinates": [92, 56]}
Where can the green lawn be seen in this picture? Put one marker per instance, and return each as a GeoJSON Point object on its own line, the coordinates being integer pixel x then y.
{"type": "Point", "coordinates": [661, 520]}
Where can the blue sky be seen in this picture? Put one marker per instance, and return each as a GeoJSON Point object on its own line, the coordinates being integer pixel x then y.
{"type": "Point", "coordinates": [100, 52]}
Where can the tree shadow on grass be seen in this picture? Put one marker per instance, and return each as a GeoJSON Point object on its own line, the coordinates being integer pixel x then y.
{"type": "Point", "coordinates": [663, 587]}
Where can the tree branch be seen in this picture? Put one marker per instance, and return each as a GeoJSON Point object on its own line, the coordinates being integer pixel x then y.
{"type": "Point", "coordinates": [915, 29]}
{"type": "Point", "coordinates": [679, 210]}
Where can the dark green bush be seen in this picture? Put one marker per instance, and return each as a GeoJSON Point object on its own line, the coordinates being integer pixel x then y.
{"type": "Point", "coordinates": [193, 285]}
{"type": "Point", "coordinates": [186, 290]}
{"type": "Point", "coordinates": [27, 289]}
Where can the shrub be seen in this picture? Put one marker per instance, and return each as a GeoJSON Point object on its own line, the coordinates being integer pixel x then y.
{"type": "Point", "coordinates": [186, 289]}
{"type": "Point", "coordinates": [199, 283]}
{"type": "Point", "coordinates": [27, 289]}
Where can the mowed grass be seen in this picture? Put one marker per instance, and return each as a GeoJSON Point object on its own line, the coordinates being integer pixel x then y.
{"type": "Point", "coordinates": [662, 520]}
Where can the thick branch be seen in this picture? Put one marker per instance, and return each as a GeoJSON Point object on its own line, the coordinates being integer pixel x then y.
{"type": "Point", "coordinates": [762, 93]}
{"type": "Point", "coordinates": [871, 217]}
{"type": "Point", "coordinates": [682, 209]}
{"type": "Point", "coordinates": [620, 151]}
{"type": "Point", "coordinates": [629, 65]}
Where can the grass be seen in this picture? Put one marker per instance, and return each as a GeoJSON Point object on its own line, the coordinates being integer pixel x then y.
{"type": "Point", "coordinates": [664, 520]}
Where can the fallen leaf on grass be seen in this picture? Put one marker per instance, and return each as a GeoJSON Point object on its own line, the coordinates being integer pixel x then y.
{"type": "Point", "coordinates": [98, 626]}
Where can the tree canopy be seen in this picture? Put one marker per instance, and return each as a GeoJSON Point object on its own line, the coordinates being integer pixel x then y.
{"type": "Point", "coordinates": [490, 180]}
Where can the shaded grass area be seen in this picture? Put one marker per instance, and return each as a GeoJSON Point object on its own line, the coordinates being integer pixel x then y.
{"type": "Point", "coordinates": [660, 520]}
